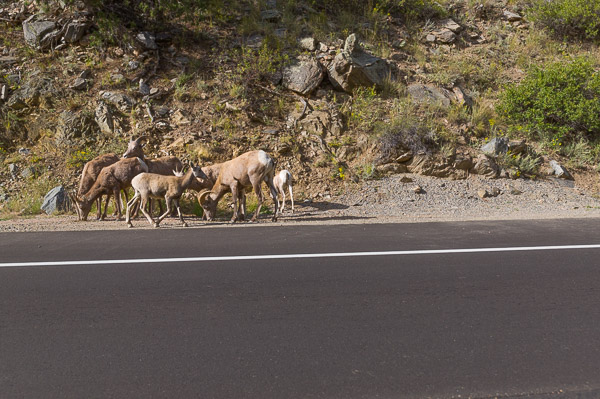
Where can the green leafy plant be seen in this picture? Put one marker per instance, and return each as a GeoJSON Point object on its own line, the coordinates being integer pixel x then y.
{"type": "Point", "coordinates": [559, 101]}
{"type": "Point", "coordinates": [578, 19]}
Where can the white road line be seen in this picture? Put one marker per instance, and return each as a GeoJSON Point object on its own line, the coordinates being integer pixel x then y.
{"type": "Point", "coordinates": [298, 256]}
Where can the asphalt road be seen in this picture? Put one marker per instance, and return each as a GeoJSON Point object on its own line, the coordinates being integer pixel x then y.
{"type": "Point", "coordinates": [440, 324]}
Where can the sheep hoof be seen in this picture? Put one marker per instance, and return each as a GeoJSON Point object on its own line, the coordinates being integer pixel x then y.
{"type": "Point", "coordinates": [156, 225]}
{"type": "Point", "coordinates": [274, 219]}
{"type": "Point", "coordinates": [129, 225]}
{"type": "Point", "coordinates": [185, 225]}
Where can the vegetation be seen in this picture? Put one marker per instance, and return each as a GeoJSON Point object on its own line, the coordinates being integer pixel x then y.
{"type": "Point", "coordinates": [557, 103]}
{"type": "Point", "coordinates": [574, 19]}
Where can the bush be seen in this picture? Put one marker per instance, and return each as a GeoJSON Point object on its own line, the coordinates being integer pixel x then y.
{"type": "Point", "coordinates": [556, 103]}
{"type": "Point", "coordinates": [568, 18]}
{"type": "Point", "coordinates": [403, 135]}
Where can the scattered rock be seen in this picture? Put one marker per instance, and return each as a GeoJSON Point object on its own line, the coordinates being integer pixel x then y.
{"type": "Point", "coordinates": [429, 94]}
{"type": "Point", "coordinates": [309, 44]}
{"type": "Point", "coordinates": [451, 25]}
{"type": "Point", "coordinates": [496, 146]}
{"type": "Point", "coordinates": [122, 101]}
{"type": "Point", "coordinates": [303, 77]}
{"type": "Point", "coordinates": [560, 171]}
{"type": "Point", "coordinates": [79, 84]}
{"type": "Point", "coordinates": [147, 40]}
{"type": "Point", "coordinates": [35, 31]}
{"type": "Point", "coordinates": [144, 89]}
{"type": "Point", "coordinates": [55, 200]}
{"type": "Point", "coordinates": [73, 125]}
{"type": "Point", "coordinates": [511, 16]}
{"type": "Point", "coordinates": [418, 190]}
{"type": "Point", "coordinates": [485, 166]}
{"type": "Point", "coordinates": [104, 118]}
{"type": "Point", "coordinates": [270, 15]}
{"type": "Point", "coordinates": [391, 168]}
{"type": "Point", "coordinates": [406, 179]}
{"type": "Point", "coordinates": [354, 67]}
{"type": "Point", "coordinates": [34, 92]}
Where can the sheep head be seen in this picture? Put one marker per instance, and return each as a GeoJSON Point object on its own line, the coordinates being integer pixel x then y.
{"type": "Point", "coordinates": [135, 148]}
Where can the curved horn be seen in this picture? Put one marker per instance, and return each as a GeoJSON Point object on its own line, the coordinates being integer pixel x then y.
{"type": "Point", "coordinates": [202, 196]}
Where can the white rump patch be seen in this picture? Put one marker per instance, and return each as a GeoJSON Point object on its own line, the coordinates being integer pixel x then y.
{"type": "Point", "coordinates": [263, 157]}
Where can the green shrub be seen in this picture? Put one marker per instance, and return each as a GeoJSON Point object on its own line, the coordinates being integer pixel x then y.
{"type": "Point", "coordinates": [555, 103]}
{"type": "Point", "coordinates": [568, 18]}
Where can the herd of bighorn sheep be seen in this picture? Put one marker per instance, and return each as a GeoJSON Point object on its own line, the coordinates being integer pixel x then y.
{"type": "Point", "coordinates": [163, 178]}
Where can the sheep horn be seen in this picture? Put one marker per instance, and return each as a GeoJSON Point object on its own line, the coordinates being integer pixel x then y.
{"type": "Point", "coordinates": [202, 196]}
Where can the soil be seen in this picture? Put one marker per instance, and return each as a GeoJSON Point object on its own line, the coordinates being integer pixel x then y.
{"type": "Point", "coordinates": [405, 198]}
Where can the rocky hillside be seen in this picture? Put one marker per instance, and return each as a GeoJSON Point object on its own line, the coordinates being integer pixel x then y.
{"type": "Point", "coordinates": [338, 92]}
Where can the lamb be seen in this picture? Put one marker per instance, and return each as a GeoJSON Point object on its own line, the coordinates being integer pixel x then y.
{"type": "Point", "coordinates": [90, 173]}
{"type": "Point", "coordinates": [162, 165]}
{"type": "Point", "coordinates": [111, 180]}
{"type": "Point", "coordinates": [152, 185]}
{"type": "Point", "coordinates": [248, 170]}
{"type": "Point", "coordinates": [282, 179]}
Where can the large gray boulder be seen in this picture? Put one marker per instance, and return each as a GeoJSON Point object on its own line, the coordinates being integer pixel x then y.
{"type": "Point", "coordinates": [429, 94]}
{"type": "Point", "coordinates": [35, 31]}
{"type": "Point", "coordinates": [353, 67]}
{"type": "Point", "coordinates": [304, 76]}
{"type": "Point", "coordinates": [496, 146]}
{"type": "Point", "coordinates": [56, 200]}
{"type": "Point", "coordinates": [122, 101]}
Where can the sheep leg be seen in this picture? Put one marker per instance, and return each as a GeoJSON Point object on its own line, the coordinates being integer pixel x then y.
{"type": "Point", "coordinates": [236, 200]}
{"type": "Point", "coordinates": [259, 198]}
{"type": "Point", "coordinates": [176, 201]}
{"type": "Point", "coordinates": [130, 209]}
{"type": "Point", "coordinates": [242, 215]}
{"type": "Point", "coordinates": [116, 194]}
{"type": "Point", "coordinates": [291, 196]}
{"type": "Point", "coordinates": [99, 208]}
{"type": "Point", "coordinates": [142, 207]}
{"type": "Point", "coordinates": [273, 191]}
{"type": "Point", "coordinates": [282, 191]}
{"type": "Point", "coordinates": [164, 215]}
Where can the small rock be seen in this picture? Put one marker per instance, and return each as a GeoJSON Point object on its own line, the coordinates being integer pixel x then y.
{"type": "Point", "coordinates": [451, 25]}
{"type": "Point", "coordinates": [147, 40]}
{"type": "Point", "coordinates": [560, 171]}
{"type": "Point", "coordinates": [511, 16]}
{"type": "Point", "coordinates": [406, 179]}
{"type": "Point", "coordinates": [308, 43]}
{"type": "Point", "coordinates": [132, 65]}
{"type": "Point", "coordinates": [270, 15]}
{"type": "Point", "coordinates": [144, 88]}
{"type": "Point", "coordinates": [79, 84]}
{"type": "Point", "coordinates": [482, 193]}
{"type": "Point", "coordinates": [418, 190]}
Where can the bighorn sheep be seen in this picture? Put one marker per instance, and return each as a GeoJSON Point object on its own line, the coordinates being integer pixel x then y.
{"type": "Point", "coordinates": [247, 170]}
{"type": "Point", "coordinates": [111, 180]}
{"type": "Point", "coordinates": [199, 184]}
{"type": "Point", "coordinates": [162, 165]}
{"type": "Point", "coordinates": [90, 173]}
{"type": "Point", "coordinates": [281, 180]}
{"type": "Point", "coordinates": [151, 185]}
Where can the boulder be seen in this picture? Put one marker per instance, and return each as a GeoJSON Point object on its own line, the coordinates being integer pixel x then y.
{"type": "Point", "coordinates": [303, 77]}
{"type": "Point", "coordinates": [309, 43]}
{"type": "Point", "coordinates": [485, 166]}
{"type": "Point", "coordinates": [75, 30]}
{"type": "Point", "coordinates": [104, 118]}
{"type": "Point", "coordinates": [72, 126]}
{"type": "Point", "coordinates": [429, 94]}
{"type": "Point", "coordinates": [353, 68]}
{"type": "Point", "coordinates": [147, 40]}
{"type": "Point", "coordinates": [55, 200]}
{"type": "Point", "coordinates": [560, 171]}
{"type": "Point", "coordinates": [33, 93]}
{"type": "Point", "coordinates": [35, 31]}
{"type": "Point", "coordinates": [496, 146]}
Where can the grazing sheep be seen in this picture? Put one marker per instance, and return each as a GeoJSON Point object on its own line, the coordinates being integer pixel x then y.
{"type": "Point", "coordinates": [248, 170]}
{"type": "Point", "coordinates": [281, 180]}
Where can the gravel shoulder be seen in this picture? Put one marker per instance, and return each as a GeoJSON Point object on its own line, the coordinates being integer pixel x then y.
{"type": "Point", "coordinates": [397, 199]}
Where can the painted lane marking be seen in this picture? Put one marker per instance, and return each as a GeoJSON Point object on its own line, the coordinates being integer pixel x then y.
{"type": "Point", "coordinates": [299, 256]}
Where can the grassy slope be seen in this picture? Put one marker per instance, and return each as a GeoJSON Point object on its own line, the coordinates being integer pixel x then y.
{"type": "Point", "coordinates": [222, 87]}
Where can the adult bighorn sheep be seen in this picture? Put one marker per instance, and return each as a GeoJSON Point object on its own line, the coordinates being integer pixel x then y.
{"type": "Point", "coordinates": [111, 180]}
{"type": "Point", "coordinates": [90, 173]}
{"type": "Point", "coordinates": [151, 185]}
{"type": "Point", "coordinates": [248, 170]}
{"type": "Point", "coordinates": [200, 185]}
{"type": "Point", "coordinates": [281, 180]}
